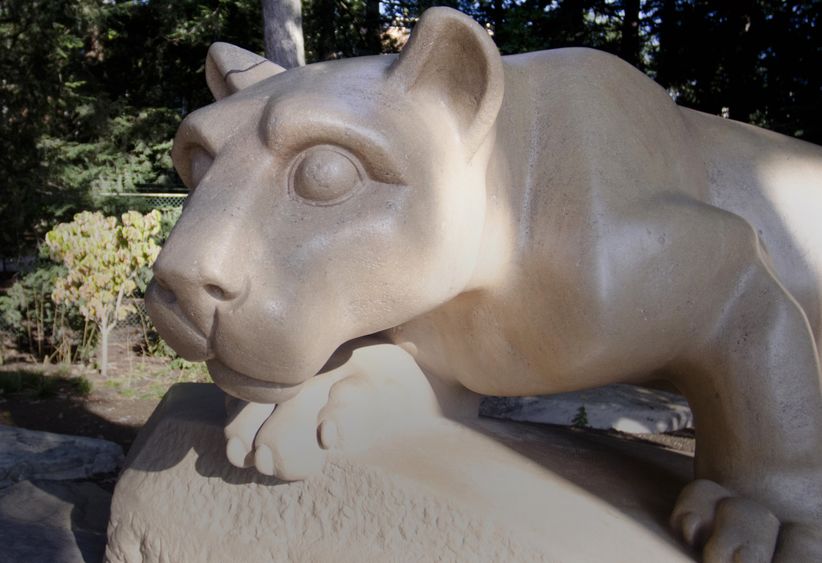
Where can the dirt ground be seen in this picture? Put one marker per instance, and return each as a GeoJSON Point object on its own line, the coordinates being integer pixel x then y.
{"type": "Point", "coordinates": [78, 400]}
{"type": "Point", "coordinates": [101, 414]}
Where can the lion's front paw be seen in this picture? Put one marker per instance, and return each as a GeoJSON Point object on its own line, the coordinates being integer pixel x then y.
{"type": "Point", "coordinates": [727, 528]}
{"type": "Point", "coordinates": [379, 394]}
{"type": "Point", "coordinates": [280, 440]}
{"type": "Point", "coordinates": [243, 422]}
{"type": "Point", "coordinates": [387, 396]}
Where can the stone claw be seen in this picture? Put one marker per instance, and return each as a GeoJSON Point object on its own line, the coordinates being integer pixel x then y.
{"type": "Point", "coordinates": [380, 393]}
{"type": "Point", "coordinates": [238, 453]}
{"type": "Point", "coordinates": [729, 529]}
{"type": "Point", "coordinates": [244, 420]}
{"type": "Point", "coordinates": [264, 460]}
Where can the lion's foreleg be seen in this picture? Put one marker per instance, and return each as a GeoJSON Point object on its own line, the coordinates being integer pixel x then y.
{"type": "Point", "coordinates": [753, 381]}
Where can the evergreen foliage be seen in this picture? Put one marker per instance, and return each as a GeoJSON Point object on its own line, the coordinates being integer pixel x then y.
{"type": "Point", "coordinates": [91, 91]}
{"type": "Point", "coordinates": [580, 419]}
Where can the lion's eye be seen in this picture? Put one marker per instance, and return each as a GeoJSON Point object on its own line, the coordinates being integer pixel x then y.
{"type": "Point", "coordinates": [325, 175]}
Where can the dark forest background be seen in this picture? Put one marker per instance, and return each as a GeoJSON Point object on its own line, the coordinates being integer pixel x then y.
{"type": "Point", "coordinates": [91, 91]}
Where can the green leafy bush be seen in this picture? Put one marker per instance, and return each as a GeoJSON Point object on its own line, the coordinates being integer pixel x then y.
{"type": "Point", "coordinates": [38, 325]}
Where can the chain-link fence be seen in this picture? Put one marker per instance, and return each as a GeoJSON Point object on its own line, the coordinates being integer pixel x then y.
{"type": "Point", "coordinates": [161, 201]}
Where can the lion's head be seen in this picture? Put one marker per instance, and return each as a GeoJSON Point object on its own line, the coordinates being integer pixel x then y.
{"type": "Point", "coordinates": [327, 202]}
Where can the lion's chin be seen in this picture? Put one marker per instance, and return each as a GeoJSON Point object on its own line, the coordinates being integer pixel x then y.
{"type": "Point", "coordinates": [248, 388]}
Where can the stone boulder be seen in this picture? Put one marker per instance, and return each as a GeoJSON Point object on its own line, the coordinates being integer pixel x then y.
{"type": "Point", "coordinates": [31, 455]}
{"type": "Point", "coordinates": [53, 522]}
{"type": "Point", "coordinates": [483, 490]}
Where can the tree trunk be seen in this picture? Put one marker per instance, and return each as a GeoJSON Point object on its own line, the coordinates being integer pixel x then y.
{"type": "Point", "coordinates": [629, 48]}
{"type": "Point", "coordinates": [573, 20]}
{"type": "Point", "coordinates": [666, 55]}
{"type": "Point", "coordinates": [283, 30]}
{"type": "Point", "coordinates": [373, 31]}
{"type": "Point", "coordinates": [103, 358]}
{"type": "Point", "coordinates": [499, 23]}
{"type": "Point", "coordinates": [323, 12]}
{"type": "Point", "coordinates": [743, 93]}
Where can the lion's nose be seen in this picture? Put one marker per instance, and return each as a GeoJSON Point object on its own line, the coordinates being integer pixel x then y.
{"type": "Point", "coordinates": [202, 268]}
{"type": "Point", "coordinates": [192, 284]}
{"type": "Point", "coordinates": [220, 293]}
{"type": "Point", "coordinates": [185, 296]}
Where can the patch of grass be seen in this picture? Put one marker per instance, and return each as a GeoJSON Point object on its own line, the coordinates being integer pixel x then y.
{"type": "Point", "coordinates": [152, 380]}
{"type": "Point", "coordinates": [81, 385]}
{"type": "Point", "coordinates": [14, 381]}
{"type": "Point", "coordinates": [193, 373]}
{"type": "Point", "coordinates": [40, 385]}
{"type": "Point", "coordinates": [30, 383]}
{"type": "Point", "coordinates": [155, 391]}
{"type": "Point", "coordinates": [115, 384]}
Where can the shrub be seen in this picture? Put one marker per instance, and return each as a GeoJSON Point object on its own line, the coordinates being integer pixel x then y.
{"type": "Point", "coordinates": [105, 262]}
{"type": "Point", "coordinates": [38, 325]}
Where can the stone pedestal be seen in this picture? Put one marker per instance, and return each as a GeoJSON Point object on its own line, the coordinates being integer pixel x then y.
{"type": "Point", "coordinates": [486, 491]}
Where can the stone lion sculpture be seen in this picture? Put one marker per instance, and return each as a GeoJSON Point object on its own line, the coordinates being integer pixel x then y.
{"type": "Point", "coordinates": [518, 225]}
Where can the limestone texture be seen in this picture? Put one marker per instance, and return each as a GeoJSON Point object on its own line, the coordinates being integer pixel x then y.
{"type": "Point", "coordinates": [32, 455]}
{"type": "Point", "coordinates": [491, 491]}
{"type": "Point", "coordinates": [53, 522]}
{"type": "Point", "coordinates": [519, 225]}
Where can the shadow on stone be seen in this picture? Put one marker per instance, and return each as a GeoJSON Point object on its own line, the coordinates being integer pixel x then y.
{"type": "Point", "coordinates": [635, 477]}
{"type": "Point", "coordinates": [53, 522]}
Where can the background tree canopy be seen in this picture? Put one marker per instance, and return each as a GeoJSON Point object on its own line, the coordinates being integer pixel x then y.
{"type": "Point", "coordinates": [91, 91]}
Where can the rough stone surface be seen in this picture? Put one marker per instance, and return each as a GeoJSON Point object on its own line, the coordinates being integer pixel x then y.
{"type": "Point", "coordinates": [528, 224]}
{"type": "Point", "coordinates": [53, 522]}
{"type": "Point", "coordinates": [626, 408]}
{"type": "Point", "coordinates": [491, 491]}
{"type": "Point", "coordinates": [30, 455]}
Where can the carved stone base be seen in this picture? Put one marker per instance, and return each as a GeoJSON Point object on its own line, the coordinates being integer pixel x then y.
{"type": "Point", "coordinates": [491, 491]}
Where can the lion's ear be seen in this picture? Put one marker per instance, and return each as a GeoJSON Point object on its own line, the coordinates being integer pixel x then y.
{"type": "Point", "coordinates": [230, 69]}
{"type": "Point", "coordinates": [451, 58]}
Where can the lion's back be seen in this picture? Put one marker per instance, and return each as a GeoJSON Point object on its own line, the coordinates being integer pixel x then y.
{"type": "Point", "coordinates": [775, 183]}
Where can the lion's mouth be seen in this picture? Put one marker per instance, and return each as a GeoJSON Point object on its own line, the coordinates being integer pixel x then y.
{"type": "Point", "coordinates": [177, 329]}
{"type": "Point", "coordinates": [248, 388]}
